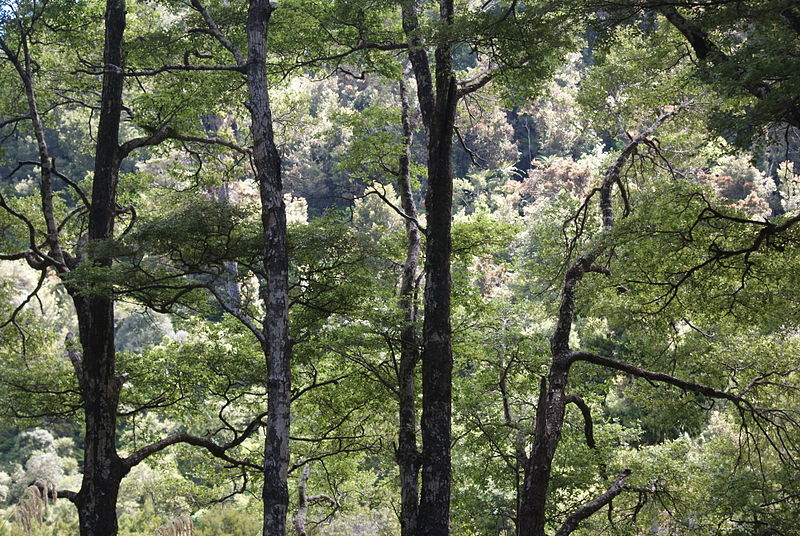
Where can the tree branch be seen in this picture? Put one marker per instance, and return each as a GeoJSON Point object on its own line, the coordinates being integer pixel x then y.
{"type": "Point", "coordinates": [559, 342]}
{"type": "Point", "coordinates": [591, 507]}
{"type": "Point", "coordinates": [71, 496]}
{"type": "Point", "coordinates": [655, 376]}
{"type": "Point", "coordinates": [237, 314]}
{"type": "Point", "coordinates": [588, 424]}
{"type": "Point", "coordinates": [214, 30]}
{"type": "Point", "coordinates": [217, 450]}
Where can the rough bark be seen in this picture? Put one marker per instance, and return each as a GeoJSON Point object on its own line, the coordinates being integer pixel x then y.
{"type": "Point", "coordinates": [553, 398]}
{"type": "Point", "coordinates": [275, 288]}
{"type": "Point", "coordinates": [407, 455]}
{"type": "Point", "coordinates": [438, 99]}
{"type": "Point", "coordinates": [103, 469]}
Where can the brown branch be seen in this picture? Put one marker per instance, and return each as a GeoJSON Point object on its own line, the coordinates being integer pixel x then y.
{"type": "Point", "coordinates": [72, 184]}
{"type": "Point", "coordinates": [214, 30]}
{"type": "Point", "coordinates": [400, 212]}
{"type": "Point", "coordinates": [170, 68]}
{"type": "Point", "coordinates": [656, 376]}
{"type": "Point", "coordinates": [474, 84]}
{"type": "Point", "coordinates": [237, 313]}
{"type": "Point", "coordinates": [217, 450]}
{"type": "Point", "coordinates": [173, 135]}
{"type": "Point", "coordinates": [593, 506]}
{"type": "Point", "coordinates": [155, 138]}
{"type": "Point", "coordinates": [31, 234]}
{"type": "Point", "coordinates": [559, 342]}
{"type": "Point", "coordinates": [14, 120]}
{"type": "Point", "coordinates": [473, 156]}
{"type": "Point", "coordinates": [707, 50]}
{"type": "Point", "coordinates": [588, 424]}
{"type": "Point", "coordinates": [71, 496]}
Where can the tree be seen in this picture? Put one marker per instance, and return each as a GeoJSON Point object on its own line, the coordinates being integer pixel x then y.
{"type": "Point", "coordinates": [83, 262]}
{"type": "Point", "coordinates": [438, 92]}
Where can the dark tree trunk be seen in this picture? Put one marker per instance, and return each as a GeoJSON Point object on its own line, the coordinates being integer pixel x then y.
{"type": "Point", "coordinates": [102, 467]}
{"type": "Point", "coordinates": [547, 434]}
{"type": "Point", "coordinates": [437, 355]}
{"type": "Point", "coordinates": [438, 100]}
{"type": "Point", "coordinates": [553, 398]}
{"type": "Point", "coordinates": [275, 290]}
{"type": "Point", "coordinates": [407, 455]}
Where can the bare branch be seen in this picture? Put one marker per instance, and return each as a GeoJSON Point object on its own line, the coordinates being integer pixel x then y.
{"type": "Point", "coordinates": [588, 424]}
{"type": "Point", "coordinates": [655, 376]}
{"type": "Point", "coordinates": [591, 507]}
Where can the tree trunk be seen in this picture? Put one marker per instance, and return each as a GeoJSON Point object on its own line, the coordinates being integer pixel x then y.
{"type": "Point", "coordinates": [553, 399]}
{"type": "Point", "coordinates": [275, 290]}
{"type": "Point", "coordinates": [407, 455]}
{"type": "Point", "coordinates": [437, 356]}
{"type": "Point", "coordinates": [547, 434]}
{"type": "Point", "coordinates": [438, 102]}
{"type": "Point", "coordinates": [102, 467]}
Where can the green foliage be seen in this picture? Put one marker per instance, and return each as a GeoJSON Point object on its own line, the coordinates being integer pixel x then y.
{"type": "Point", "coordinates": [685, 295]}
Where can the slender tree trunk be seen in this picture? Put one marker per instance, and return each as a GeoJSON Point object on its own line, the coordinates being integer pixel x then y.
{"type": "Point", "coordinates": [438, 100]}
{"type": "Point", "coordinates": [437, 355]}
{"type": "Point", "coordinates": [553, 398]}
{"type": "Point", "coordinates": [102, 468]}
{"type": "Point", "coordinates": [275, 290]}
{"type": "Point", "coordinates": [407, 454]}
{"type": "Point", "coordinates": [547, 434]}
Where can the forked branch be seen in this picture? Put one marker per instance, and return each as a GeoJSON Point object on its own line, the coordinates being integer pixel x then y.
{"type": "Point", "coordinates": [593, 506]}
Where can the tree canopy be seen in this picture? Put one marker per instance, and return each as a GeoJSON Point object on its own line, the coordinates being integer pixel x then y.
{"type": "Point", "coordinates": [410, 267]}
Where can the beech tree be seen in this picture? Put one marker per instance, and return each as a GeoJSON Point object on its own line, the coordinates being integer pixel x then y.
{"type": "Point", "coordinates": [564, 284]}
{"type": "Point", "coordinates": [438, 93]}
{"type": "Point", "coordinates": [56, 246]}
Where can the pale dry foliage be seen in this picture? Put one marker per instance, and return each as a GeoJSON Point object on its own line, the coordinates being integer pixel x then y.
{"type": "Point", "coordinates": [180, 526]}
{"type": "Point", "coordinates": [32, 506]}
{"type": "Point", "coordinates": [549, 178]}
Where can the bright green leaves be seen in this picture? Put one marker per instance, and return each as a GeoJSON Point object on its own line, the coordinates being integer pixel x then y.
{"type": "Point", "coordinates": [636, 76]}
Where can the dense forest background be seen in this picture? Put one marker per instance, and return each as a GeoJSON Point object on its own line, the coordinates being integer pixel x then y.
{"type": "Point", "coordinates": [624, 192]}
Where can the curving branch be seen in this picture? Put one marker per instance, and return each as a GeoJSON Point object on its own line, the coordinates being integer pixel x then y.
{"type": "Point", "coordinates": [217, 450]}
{"type": "Point", "coordinates": [31, 235]}
{"type": "Point", "coordinates": [593, 506]}
{"type": "Point", "coordinates": [173, 67]}
{"type": "Point", "coordinates": [214, 31]}
{"type": "Point", "coordinates": [237, 313]}
{"type": "Point", "coordinates": [69, 182]}
{"type": "Point", "coordinates": [559, 342]}
{"type": "Point", "coordinates": [656, 376]}
{"type": "Point", "coordinates": [588, 424]}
